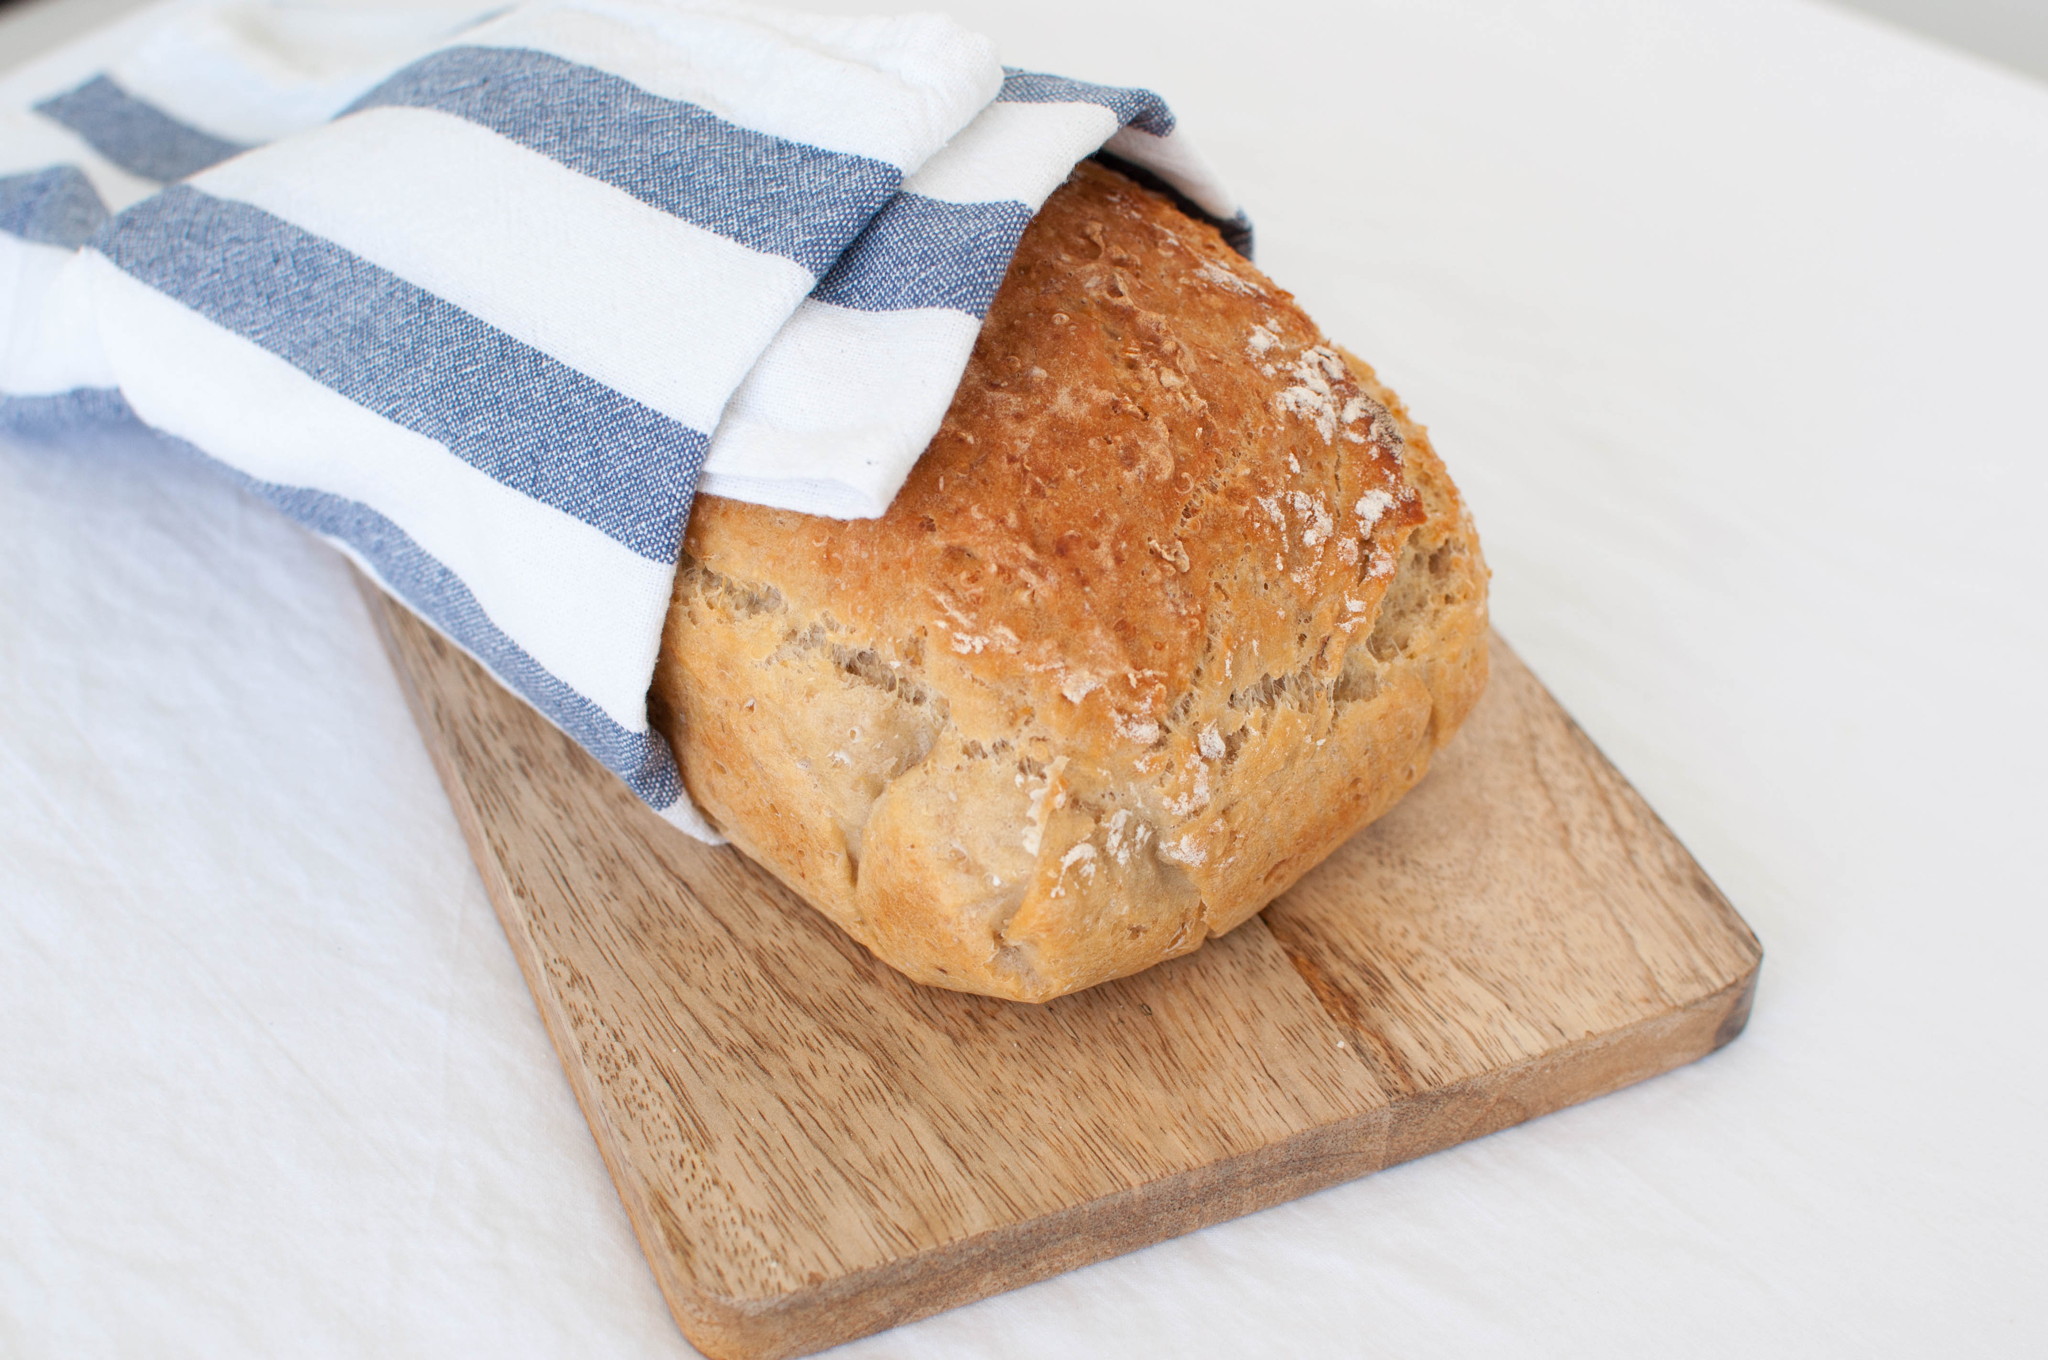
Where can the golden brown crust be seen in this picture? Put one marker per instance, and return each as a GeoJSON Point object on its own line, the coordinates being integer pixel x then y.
{"type": "Point", "coordinates": [1174, 603]}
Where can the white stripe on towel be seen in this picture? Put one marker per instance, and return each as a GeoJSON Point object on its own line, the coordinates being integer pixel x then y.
{"type": "Point", "coordinates": [581, 271]}
{"type": "Point", "coordinates": [528, 564]}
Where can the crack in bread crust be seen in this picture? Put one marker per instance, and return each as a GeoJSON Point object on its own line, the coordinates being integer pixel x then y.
{"type": "Point", "coordinates": [1176, 601]}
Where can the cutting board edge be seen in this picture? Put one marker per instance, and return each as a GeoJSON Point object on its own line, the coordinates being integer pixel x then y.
{"type": "Point", "coordinates": [803, 1322]}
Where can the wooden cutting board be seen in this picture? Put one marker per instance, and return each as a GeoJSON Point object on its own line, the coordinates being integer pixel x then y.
{"type": "Point", "coordinates": [812, 1148]}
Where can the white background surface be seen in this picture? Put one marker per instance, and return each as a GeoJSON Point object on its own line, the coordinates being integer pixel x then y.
{"type": "Point", "coordinates": [1731, 316]}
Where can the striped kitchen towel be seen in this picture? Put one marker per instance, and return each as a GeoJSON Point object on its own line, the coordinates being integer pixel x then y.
{"type": "Point", "coordinates": [486, 298]}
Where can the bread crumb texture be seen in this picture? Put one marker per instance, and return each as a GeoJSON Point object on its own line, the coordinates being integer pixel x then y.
{"type": "Point", "coordinates": [1176, 601]}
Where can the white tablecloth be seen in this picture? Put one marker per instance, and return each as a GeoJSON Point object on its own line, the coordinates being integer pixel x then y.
{"type": "Point", "coordinates": [1732, 317]}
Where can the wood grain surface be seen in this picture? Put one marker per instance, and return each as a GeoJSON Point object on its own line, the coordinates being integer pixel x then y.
{"type": "Point", "coordinates": [812, 1148]}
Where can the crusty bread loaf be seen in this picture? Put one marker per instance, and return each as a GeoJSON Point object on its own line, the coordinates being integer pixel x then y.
{"type": "Point", "coordinates": [1175, 602]}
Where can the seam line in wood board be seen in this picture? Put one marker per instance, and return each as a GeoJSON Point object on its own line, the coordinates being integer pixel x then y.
{"type": "Point", "coordinates": [1172, 1206]}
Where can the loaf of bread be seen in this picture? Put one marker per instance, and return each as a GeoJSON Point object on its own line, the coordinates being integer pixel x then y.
{"type": "Point", "coordinates": [1177, 600]}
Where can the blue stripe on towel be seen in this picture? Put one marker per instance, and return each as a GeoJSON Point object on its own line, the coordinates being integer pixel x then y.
{"type": "Point", "coordinates": [59, 415]}
{"type": "Point", "coordinates": [925, 252]}
{"type": "Point", "coordinates": [53, 207]}
{"type": "Point", "coordinates": [1140, 109]}
{"type": "Point", "coordinates": [505, 408]}
{"type": "Point", "coordinates": [642, 759]}
{"type": "Point", "coordinates": [768, 193]}
{"type": "Point", "coordinates": [137, 136]}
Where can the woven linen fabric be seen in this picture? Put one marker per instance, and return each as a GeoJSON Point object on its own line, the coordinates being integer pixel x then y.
{"type": "Point", "coordinates": [486, 298]}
